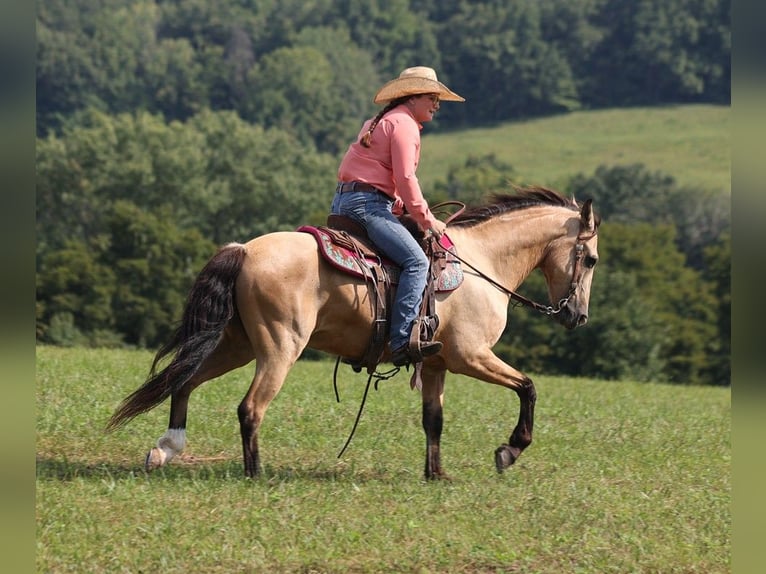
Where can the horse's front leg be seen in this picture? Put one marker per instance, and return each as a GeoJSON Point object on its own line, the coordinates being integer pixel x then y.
{"type": "Point", "coordinates": [484, 365]}
{"type": "Point", "coordinates": [521, 437]}
{"type": "Point", "coordinates": [433, 420]}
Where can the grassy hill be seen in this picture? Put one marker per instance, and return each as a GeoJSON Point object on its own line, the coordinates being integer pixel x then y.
{"type": "Point", "coordinates": [691, 143]}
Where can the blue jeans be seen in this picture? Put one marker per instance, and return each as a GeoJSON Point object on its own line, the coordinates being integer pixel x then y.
{"type": "Point", "coordinates": [373, 211]}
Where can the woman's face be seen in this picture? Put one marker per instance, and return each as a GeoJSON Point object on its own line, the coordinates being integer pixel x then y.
{"type": "Point", "coordinates": [424, 107]}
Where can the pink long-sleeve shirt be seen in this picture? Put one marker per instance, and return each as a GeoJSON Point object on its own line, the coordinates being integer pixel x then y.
{"type": "Point", "coordinates": [390, 162]}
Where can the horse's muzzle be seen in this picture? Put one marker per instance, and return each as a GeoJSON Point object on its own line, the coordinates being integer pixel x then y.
{"type": "Point", "coordinates": [572, 320]}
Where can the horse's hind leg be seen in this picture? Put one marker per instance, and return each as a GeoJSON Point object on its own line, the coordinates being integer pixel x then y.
{"type": "Point", "coordinates": [232, 352]}
{"type": "Point", "coordinates": [269, 378]}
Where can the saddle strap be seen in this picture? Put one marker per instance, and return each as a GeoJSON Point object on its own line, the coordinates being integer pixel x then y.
{"type": "Point", "coordinates": [428, 321]}
{"type": "Point", "coordinates": [379, 288]}
{"type": "Point", "coordinates": [350, 235]}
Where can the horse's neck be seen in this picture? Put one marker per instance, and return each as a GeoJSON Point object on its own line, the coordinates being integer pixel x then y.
{"type": "Point", "coordinates": [509, 247]}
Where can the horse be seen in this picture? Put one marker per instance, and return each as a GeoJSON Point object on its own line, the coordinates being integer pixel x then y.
{"type": "Point", "coordinates": [274, 296]}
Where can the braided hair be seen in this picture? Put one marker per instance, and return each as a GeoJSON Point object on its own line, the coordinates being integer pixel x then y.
{"type": "Point", "coordinates": [366, 139]}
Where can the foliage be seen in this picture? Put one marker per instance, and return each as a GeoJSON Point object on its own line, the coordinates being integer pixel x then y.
{"type": "Point", "coordinates": [718, 273]}
{"type": "Point", "coordinates": [675, 296]}
{"type": "Point", "coordinates": [511, 59]}
{"type": "Point", "coordinates": [75, 287]}
{"type": "Point", "coordinates": [632, 194]}
{"type": "Point", "coordinates": [654, 48]}
{"type": "Point", "coordinates": [500, 45]}
{"type": "Point", "coordinates": [168, 127]}
{"type": "Point", "coordinates": [473, 181]}
{"type": "Point", "coordinates": [658, 311]}
{"type": "Point", "coordinates": [129, 208]}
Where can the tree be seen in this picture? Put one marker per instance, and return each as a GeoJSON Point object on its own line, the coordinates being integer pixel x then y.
{"type": "Point", "coordinates": [347, 105]}
{"type": "Point", "coordinates": [661, 51]}
{"type": "Point", "coordinates": [651, 318]}
{"type": "Point", "coordinates": [623, 339]}
{"type": "Point", "coordinates": [395, 35]}
{"type": "Point", "coordinates": [626, 193]}
{"type": "Point", "coordinates": [633, 194]}
{"type": "Point", "coordinates": [471, 182]}
{"type": "Point", "coordinates": [702, 217]}
{"type": "Point", "coordinates": [63, 70]}
{"type": "Point", "coordinates": [155, 264]}
{"type": "Point", "coordinates": [106, 158]}
{"type": "Point", "coordinates": [495, 55]}
{"type": "Point", "coordinates": [291, 90]}
{"type": "Point", "coordinates": [73, 282]}
{"type": "Point", "coordinates": [263, 180]}
{"type": "Point", "coordinates": [718, 273]}
{"type": "Point", "coordinates": [675, 295]}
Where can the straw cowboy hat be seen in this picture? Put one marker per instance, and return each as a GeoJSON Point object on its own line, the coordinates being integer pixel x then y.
{"type": "Point", "coordinates": [413, 81]}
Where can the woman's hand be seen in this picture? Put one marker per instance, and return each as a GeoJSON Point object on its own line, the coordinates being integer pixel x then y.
{"type": "Point", "coordinates": [438, 228]}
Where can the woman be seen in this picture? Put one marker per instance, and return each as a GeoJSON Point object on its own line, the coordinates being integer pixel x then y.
{"type": "Point", "coordinates": [376, 179]}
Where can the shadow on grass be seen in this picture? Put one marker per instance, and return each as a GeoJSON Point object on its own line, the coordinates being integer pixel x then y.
{"type": "Point", "coordinates": [213, 469]}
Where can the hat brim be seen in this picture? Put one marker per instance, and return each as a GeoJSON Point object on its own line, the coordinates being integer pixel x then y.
{"type": "Point", "coordinates": [401, 87]}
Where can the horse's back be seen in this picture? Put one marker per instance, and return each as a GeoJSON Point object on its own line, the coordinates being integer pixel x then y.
{"type": "Point", "coordinates": [285, 283]}
{"type": "Point", "coordinates": [287, 254]}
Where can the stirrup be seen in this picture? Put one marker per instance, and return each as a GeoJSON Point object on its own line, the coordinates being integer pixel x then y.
{"type": "Point", "coordinates": [407, 354]}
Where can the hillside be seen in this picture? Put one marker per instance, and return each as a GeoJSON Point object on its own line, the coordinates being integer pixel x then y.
{"type": "Point", "coordinates": [691, 143]}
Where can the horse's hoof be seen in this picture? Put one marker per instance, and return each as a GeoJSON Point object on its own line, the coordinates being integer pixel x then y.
{"type": "Point", "coordinates": [155, 458]}
{"type": "Point", "coordinates": [438, 476]}
{"type": "Point", "coordinates": [505, 456]}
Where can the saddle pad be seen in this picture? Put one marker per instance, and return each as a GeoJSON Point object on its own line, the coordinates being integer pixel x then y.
{"type": "Point", "coordinates": [345, 260]}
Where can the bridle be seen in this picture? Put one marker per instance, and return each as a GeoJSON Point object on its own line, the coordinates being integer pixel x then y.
{"type": "Point", "coordinates": [577, 274]}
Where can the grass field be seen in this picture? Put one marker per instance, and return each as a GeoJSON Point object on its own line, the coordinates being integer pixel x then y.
{"type": "Point", "coordinates": [691, 143]}
{"type": "Point", "coordinates": [622, 477]}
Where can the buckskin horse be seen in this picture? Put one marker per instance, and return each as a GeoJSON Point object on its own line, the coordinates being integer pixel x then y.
{"type": "Point", "coordinates": [274, 296]}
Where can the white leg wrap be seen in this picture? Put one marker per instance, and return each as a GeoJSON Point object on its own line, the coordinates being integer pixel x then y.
{"type": "Point", "coordinates": [172, 442]}
{"type": "Point", "coordinates": [169, 445]}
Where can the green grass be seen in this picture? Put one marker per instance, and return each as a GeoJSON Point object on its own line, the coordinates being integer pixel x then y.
{"type": "Point", "coordinates": [690, 143]}
{"type": "Point", "coordinates": [621, 477]}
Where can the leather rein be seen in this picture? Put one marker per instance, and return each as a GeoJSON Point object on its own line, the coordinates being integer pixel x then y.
{"type": "Point", "coordinates": [547, 309]}
{"type": "Point", "coordinates": [577, 272]}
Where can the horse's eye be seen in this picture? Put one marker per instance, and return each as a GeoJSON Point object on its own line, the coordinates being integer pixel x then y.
{"type": "Point", "coordinates": [590, 261]}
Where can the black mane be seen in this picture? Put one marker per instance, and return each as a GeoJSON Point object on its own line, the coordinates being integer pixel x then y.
{"type": "Point", "coordinates": [500, 203]}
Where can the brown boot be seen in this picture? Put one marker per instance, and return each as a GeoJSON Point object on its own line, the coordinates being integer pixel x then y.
{"type": "Point", "coordinates": [406, 354]}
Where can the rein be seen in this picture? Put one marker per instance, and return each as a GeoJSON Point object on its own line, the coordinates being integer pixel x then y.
{"type": "Point", "coordinates": [545, 309]}
{"type": "Point", "coordinates": [378, 377]}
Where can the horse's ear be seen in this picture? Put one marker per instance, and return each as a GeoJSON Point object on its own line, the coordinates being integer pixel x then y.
{"type": "Point", "coordinates": [587, 217]}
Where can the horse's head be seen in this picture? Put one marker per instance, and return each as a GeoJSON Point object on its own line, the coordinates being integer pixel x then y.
{"type": "Point", "coordinates": [568, 268]}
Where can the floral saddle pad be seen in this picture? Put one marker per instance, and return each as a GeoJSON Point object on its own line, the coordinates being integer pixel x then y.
{"type": "Point", "coordinates": [345, 259]}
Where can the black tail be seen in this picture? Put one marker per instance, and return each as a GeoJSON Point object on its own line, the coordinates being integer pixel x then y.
{"type": "Point", "coordinates": [209, 308]}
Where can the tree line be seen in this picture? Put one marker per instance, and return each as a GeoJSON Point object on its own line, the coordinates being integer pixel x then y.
{"type": "Point", "coordinates": [308, 66]}
{"type": "Point", "coordinates": [130, 207]}
{"type": "Point", "coordinates": [168, 128]}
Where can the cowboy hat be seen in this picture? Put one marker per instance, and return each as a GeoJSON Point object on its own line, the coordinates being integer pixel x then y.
{"type": "Point", "coordinates": [414, 81]}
